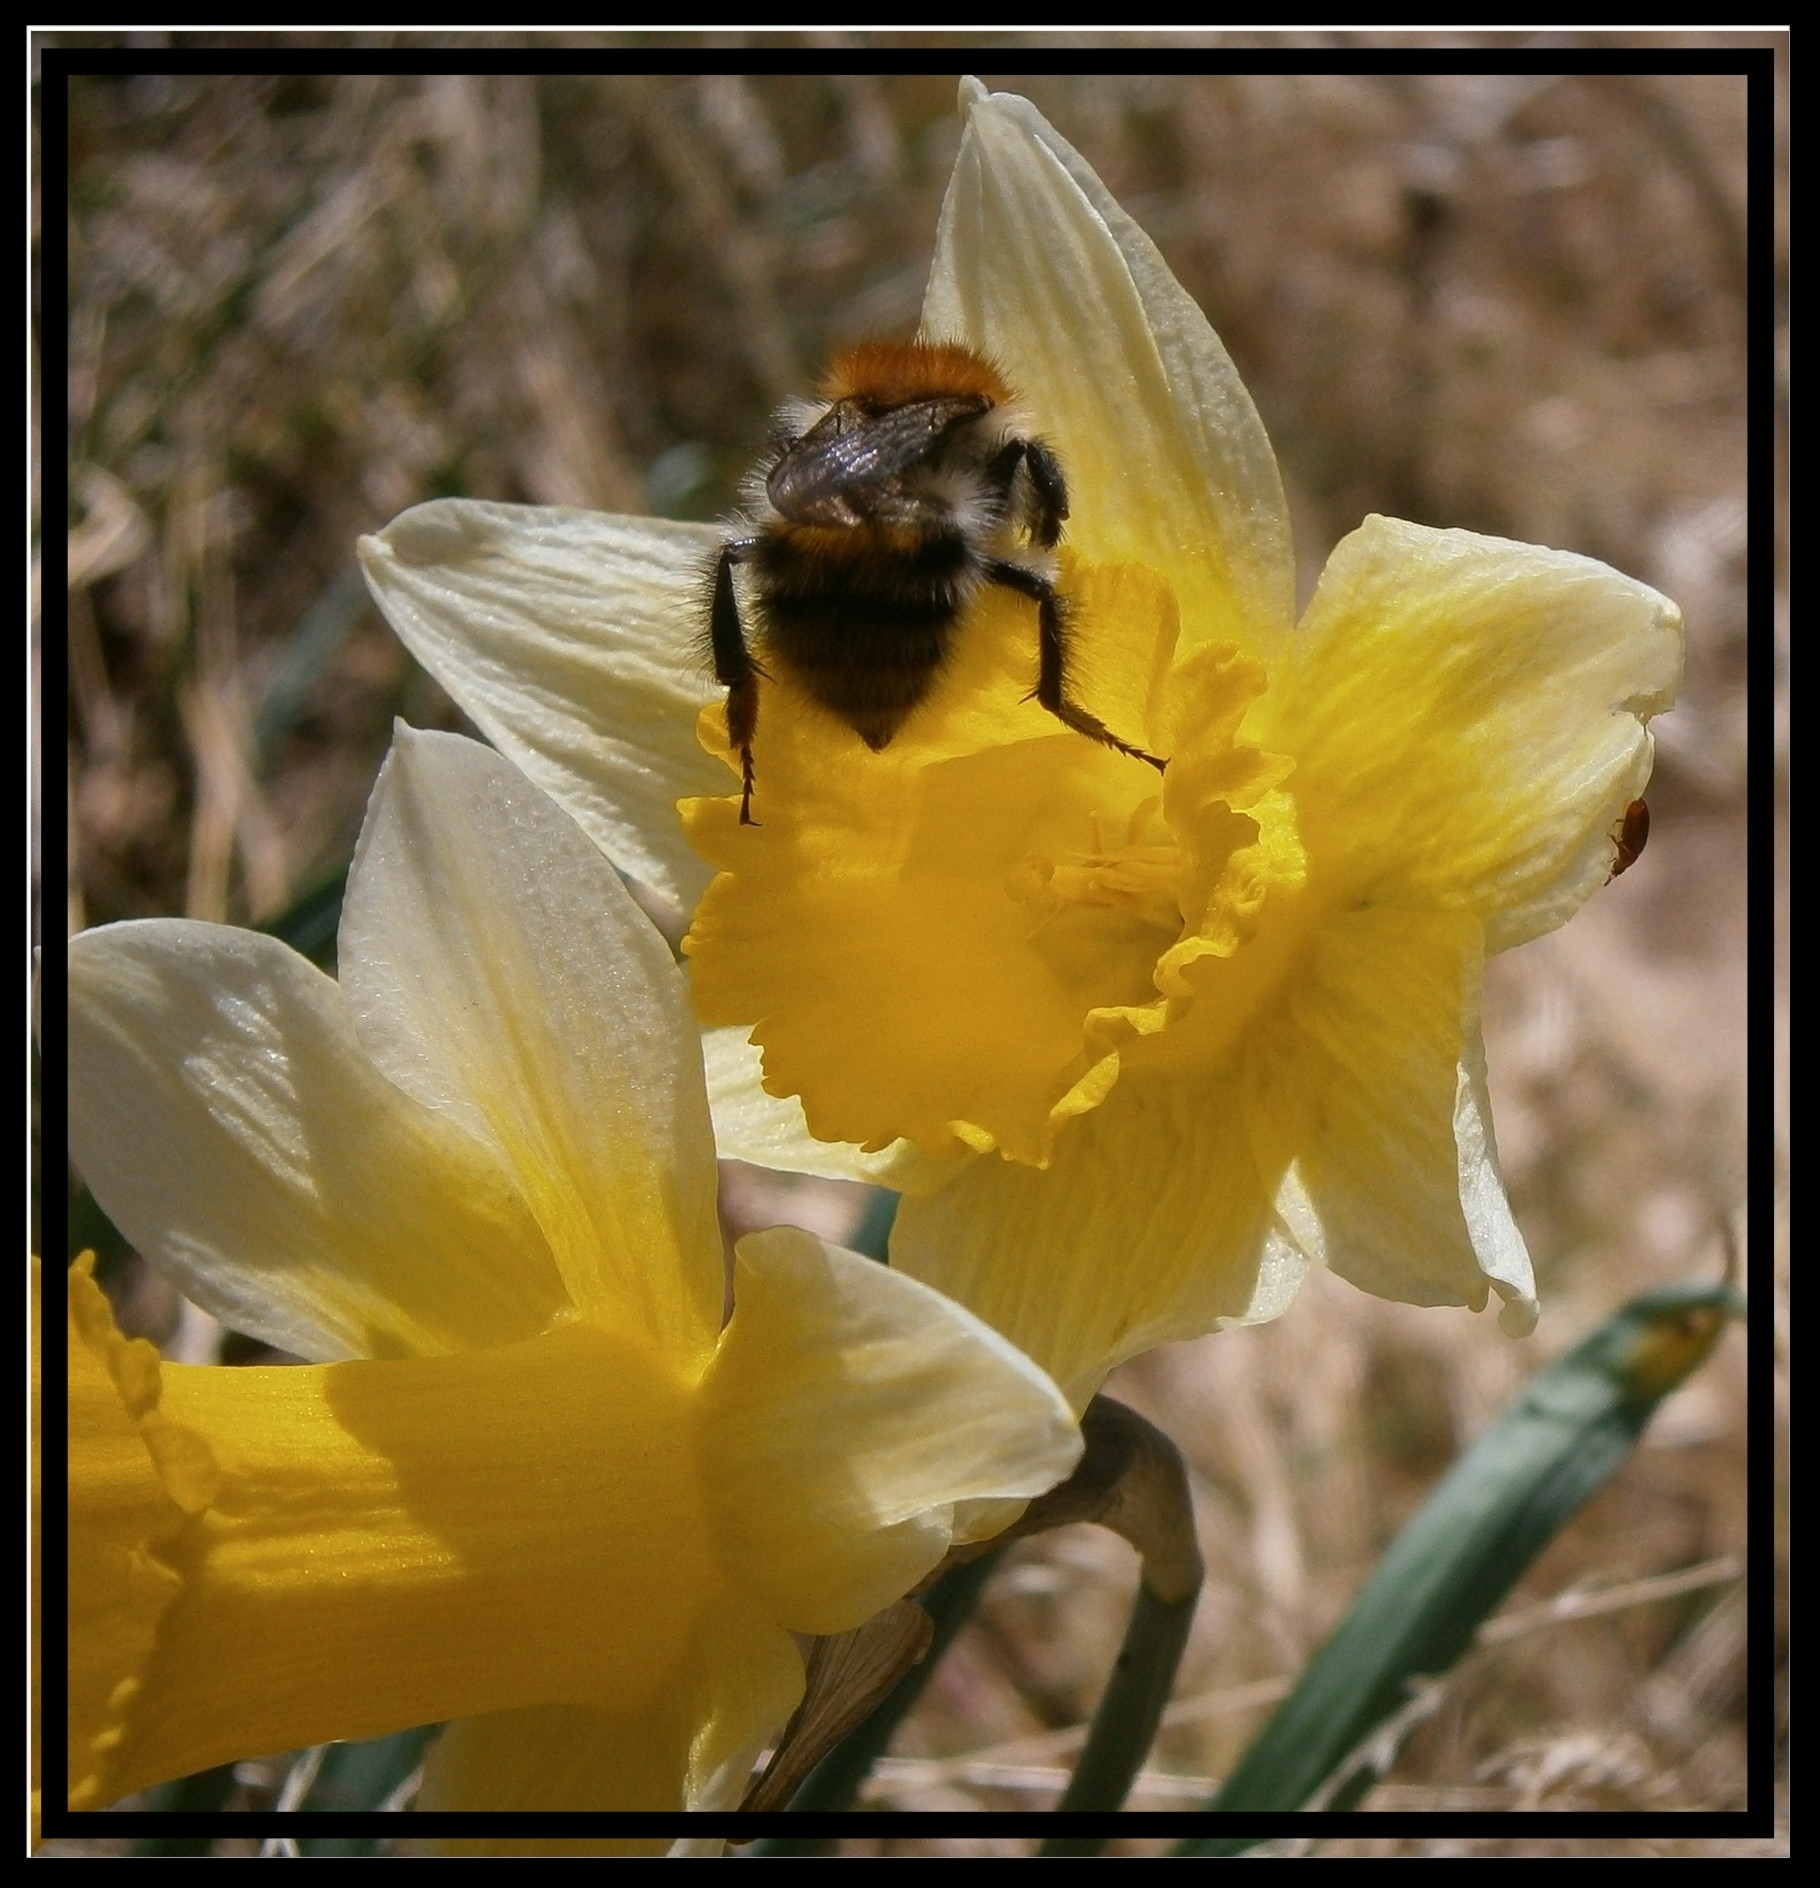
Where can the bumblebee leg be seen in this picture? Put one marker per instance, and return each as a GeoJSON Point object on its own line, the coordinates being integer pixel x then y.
{"type": "Point", "coordinates": [734, 668]}
{"type": "Point", "coordinates": [1051, 492]}
{"type": "Point", "coordinates": [1052, 661]}
{"type": "Point", "coordinates": [1047, 485]}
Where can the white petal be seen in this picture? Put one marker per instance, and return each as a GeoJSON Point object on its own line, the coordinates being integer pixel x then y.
{"type": "Point", "coordinates": [229, 1124]}
{"type": "Point", "coordinates": [497, 969]}
{"type": "Point", "coordinates": [573, 641]}
{"type": "Point", "coordinates": [1039, 268]}
{"type": "Point", "coordinates": [1496, 1242]}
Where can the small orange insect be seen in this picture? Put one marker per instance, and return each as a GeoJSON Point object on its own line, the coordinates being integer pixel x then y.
{"type": "Point", "coordinates": [1630, 836]}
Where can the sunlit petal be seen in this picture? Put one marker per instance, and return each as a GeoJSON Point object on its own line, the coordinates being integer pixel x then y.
{"type": "Point", "coordinates": [1157, 1225]}
{"type": "Point", "coordinates": [923, 1397]}
{"type": "Point", "coordinates": [1468, 718]}
{"type": "Point", "coordinates": [769, 1130]}
{"type": "Point", "coordinates": [223, 1113]}
{"type": "Point", "coordinates": [570, 639]}
{"type": "Point", "coordinates": [499, 972]}
{"type": "Point", "coordinates": [1038, 267]}
{"type": "Point", "coordinates": [1361, 1083]}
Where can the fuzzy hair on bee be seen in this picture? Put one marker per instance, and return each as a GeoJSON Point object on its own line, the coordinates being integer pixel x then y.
{"type": "Point", "coordinates": [875, 519]}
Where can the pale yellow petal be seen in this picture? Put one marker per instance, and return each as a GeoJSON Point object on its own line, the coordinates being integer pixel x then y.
{"type": "Point", "coordinates": [223, 1112]}
{"type": "Point", "coordinates": [768, 1130]}
{"type": "Point", "coordinates": [572, 639]}
{"type": "Point", "coordinates": [501, 974]}
{"type": "Point", "coordinates": [1154, 1223]}
{"type": "Point", "coordinates": [1469, 720]}
{"type": "Point", "coordinates": [1368, 1082]}
{"type": "Point", "coordinates": [692, 1747]}
{"type": "Point", "coordinates": [850, 1408]}
{"type": "Point", "coordinates": [371, 1546]}
{"type": "Point", "coordinates": [1169, 465]}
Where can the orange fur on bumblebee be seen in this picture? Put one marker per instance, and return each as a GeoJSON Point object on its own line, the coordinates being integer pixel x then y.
{"type": "Point", "coordinates": [876, 517]}
{"type": "Point", "coordinates": [1630, 836]}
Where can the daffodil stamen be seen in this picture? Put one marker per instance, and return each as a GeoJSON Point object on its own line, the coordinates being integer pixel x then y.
{"type": "Point", "coordinates": [1138, 875]}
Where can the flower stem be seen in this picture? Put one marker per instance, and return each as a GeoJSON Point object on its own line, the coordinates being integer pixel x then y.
{"type": "Point", "coordinates": [1147, 1501]}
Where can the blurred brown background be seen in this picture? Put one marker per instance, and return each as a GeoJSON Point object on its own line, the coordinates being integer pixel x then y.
{"type": "Point", "coordinates": [1512, 301]}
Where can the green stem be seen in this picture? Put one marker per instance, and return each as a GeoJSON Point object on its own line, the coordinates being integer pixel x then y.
{"type": "Point", "coordinates": [1151, 1507]}
{"type": "Point", "coordinates": [1126, 1722]}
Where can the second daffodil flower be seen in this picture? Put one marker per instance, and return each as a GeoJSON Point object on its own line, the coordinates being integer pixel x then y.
{"type": "Point", "coordinates": [1139, 1051]}
{"type": "Point", "coordinates": [529, 1482]}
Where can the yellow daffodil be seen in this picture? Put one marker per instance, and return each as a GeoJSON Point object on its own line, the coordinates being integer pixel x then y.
{"type": "Point", "coordinates": [1139, 1051]}
{"type": "Point", "coordinates": [528, 1481]}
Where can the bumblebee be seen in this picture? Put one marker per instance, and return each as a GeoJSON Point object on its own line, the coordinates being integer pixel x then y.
{"type": "Point", "coordinates": [874, 520]}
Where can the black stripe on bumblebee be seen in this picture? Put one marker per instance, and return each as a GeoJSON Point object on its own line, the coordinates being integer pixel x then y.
{"type": "Point", "coordinates": [875, 519]}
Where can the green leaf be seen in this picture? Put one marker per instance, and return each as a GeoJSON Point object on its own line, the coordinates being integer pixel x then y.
{"type": "Point", "coordinates": [1468, 1546]}
{"type": "Point", "coordinates": [872, 1235]}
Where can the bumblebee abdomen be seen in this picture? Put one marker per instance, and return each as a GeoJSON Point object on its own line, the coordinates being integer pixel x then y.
{"type": "Point", "coordinates": [861, 623]}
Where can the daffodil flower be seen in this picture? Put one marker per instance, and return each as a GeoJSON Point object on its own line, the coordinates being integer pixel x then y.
{"type": "Point", "coordinates": [529, 1482]}
{"type": "Point", "coordinates": [1139, 1053]}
